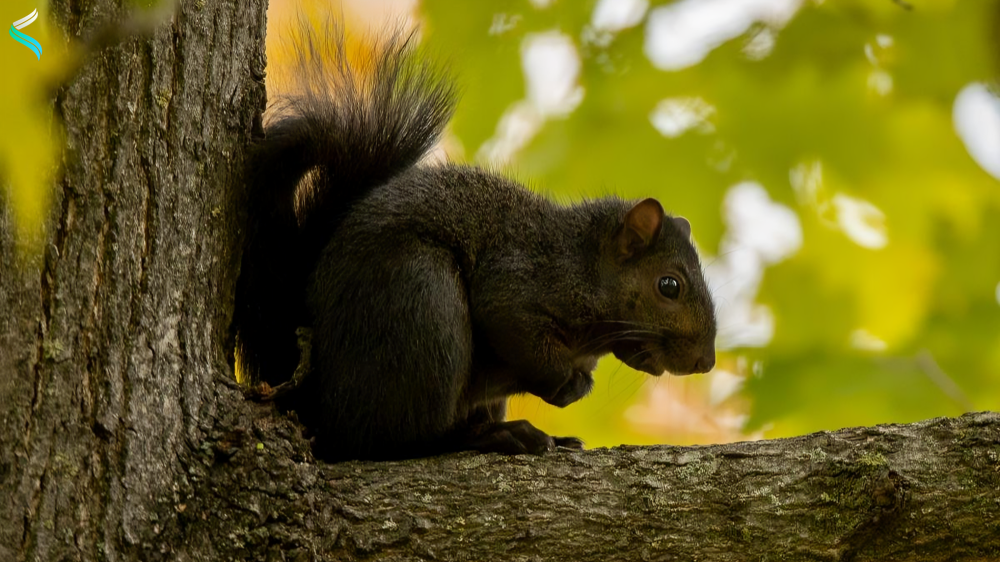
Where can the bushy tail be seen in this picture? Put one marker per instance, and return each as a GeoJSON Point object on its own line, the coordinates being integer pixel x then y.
{"type": "Point", "coordinates": [344, 129]}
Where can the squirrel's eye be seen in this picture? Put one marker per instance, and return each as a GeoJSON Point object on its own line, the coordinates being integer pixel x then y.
{"type": "Point", "coordinates": [670, 287]}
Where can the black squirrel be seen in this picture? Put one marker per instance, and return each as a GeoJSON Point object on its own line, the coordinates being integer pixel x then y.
{"type": "Point", "coordinates": [435, 292]}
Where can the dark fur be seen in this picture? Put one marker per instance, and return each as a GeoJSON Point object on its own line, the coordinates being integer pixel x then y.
{"type": "Point", "coordinates": [435, 292]}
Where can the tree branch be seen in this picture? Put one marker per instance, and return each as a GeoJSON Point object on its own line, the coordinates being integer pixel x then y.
{"type": "Point", "coordinates": [924, 491]}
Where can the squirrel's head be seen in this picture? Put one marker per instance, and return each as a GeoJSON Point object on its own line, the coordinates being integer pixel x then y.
{"type": "Point", "coordinates": [661, 316]}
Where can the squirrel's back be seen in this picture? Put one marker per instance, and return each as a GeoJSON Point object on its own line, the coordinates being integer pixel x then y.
{"type": "Point", "coordinates": [345, 128]}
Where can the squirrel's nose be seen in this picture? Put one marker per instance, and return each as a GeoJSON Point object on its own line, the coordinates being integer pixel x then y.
{"type": "Point", "coordinates": [705, 363]}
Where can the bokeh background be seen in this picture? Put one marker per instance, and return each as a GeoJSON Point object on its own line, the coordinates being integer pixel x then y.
{"type": "Point", "coordinates": [839, 161]}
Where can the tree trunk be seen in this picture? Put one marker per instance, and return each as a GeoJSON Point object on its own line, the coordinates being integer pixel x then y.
{"type": "Point", "coordinates": [110, 343]}
{"type": "Point", "coordinates": [123, 437]}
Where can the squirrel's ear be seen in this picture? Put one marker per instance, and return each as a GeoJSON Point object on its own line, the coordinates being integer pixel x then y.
{"type": "Point", "coordinates": [683, 225]}
{"type": "Point", "coordinates": [642, 226]}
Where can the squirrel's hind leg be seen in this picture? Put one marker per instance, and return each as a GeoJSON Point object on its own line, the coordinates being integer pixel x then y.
{"type": "Point", "coordinates": [393, 360]}
{"type": "Point", "coordinates": [392, 350]}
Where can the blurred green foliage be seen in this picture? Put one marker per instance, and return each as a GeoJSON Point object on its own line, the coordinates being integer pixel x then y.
{"type": "Point", "coordinates": [29, 137]}
{"type": "Point", "coordinates": [819, 98]}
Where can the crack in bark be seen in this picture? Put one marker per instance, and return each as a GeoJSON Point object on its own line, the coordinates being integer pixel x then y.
{"type": "Point", "coordinates": [889, 500]}
{"type": "Point", "coordinates": [47, 287]}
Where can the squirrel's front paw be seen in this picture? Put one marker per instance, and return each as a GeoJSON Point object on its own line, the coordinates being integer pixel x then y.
{"type": "Point", "coordinates": [511, 438]}
{"type": "Point", "coordinates": [576, 387]}
{"type": "Point", "coordinates": [569, 442]}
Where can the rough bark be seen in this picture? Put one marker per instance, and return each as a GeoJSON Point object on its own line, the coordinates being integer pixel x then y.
{"type": "Point", "coordinates": [924, 491]}
{"type": "Point", "coordinates": [110, 342]}
{"type": "Point", "coordinates": [122, 436]}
